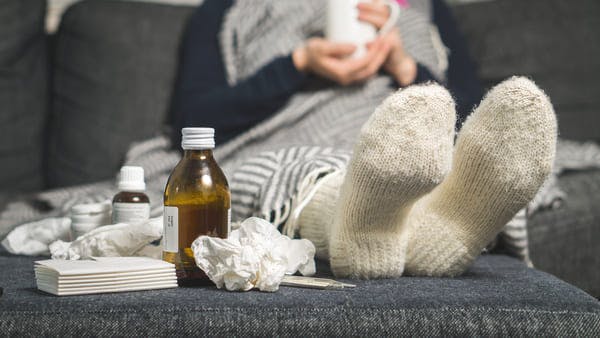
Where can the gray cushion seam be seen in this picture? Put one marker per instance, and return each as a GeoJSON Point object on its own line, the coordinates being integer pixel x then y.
{"type": "Point", "coordinates": [586, 313]}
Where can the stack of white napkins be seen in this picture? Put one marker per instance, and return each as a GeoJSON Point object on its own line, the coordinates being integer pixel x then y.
{"type": "Point", "coordinates": [103, 274]}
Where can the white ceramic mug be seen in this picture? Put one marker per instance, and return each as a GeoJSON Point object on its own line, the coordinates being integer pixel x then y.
{"type": "Point", "coordinates": [343, 24]}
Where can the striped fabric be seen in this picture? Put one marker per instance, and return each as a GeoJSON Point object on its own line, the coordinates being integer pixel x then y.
{"type": "Point", "coordinates": [514, 237]}
{"type": "Point", "coordinates": [267, 186]}
{"type": "Point", "coordinates": [254, 32]}
{"type": "Point", "coordinates": [308, 138]}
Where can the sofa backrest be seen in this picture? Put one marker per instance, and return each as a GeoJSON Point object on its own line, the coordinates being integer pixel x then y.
{"type": "Point", "coordinates": [114, 65]}
{"type": "Point", "coordinates": [555, 42]}
{"type": "Point", "coordinates": [23, 94]}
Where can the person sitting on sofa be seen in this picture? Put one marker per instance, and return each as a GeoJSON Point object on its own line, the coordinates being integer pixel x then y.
{"type": "Point", "coordinates": [204, 98]}
{"type": "Point", "coordinates": [410, 201]}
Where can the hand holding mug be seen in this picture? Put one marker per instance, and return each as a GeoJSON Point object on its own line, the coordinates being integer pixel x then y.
{"type": "Point", "coordinates": [344, 26]}
{"type": "Point", "coordinates": [375, 12]}
{"type": "Point", "coordinates": [398, 63]}
{"type": "Point", "coordinates": [330, 60]}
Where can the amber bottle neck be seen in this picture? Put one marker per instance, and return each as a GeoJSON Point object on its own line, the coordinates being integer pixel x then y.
{"type": "Point", "coordinates": [198, 154]}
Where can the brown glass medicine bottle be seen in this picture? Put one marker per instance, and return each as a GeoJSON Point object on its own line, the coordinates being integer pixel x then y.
{"type": "Point", "coordinates": [197, 202]}
{"type": "Point", "coordinates": [131, 204]}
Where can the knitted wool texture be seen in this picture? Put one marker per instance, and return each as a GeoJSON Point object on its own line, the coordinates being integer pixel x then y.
{"type": "Point", "coordinates": [502, 155]}
{"type": "Point", "coordinates": [316, 218]}
{"type": "Point", "coordinates": [403, 151]}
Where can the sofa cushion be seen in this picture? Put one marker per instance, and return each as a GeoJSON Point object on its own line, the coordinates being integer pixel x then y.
{"type": "Point", "coordinates": [566, 241]}
{"type": "Point", "coordinates": [114, 67]}
{"type": "Point", "coordinates": [554, 42]}
{"type": "Point", "coordinates": [23, 94]}
{"type": "Point", "coordinates": [498, 296]}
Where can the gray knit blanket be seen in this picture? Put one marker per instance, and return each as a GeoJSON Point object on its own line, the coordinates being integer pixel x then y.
{"type": "Point", "coordinates": [311, 136]}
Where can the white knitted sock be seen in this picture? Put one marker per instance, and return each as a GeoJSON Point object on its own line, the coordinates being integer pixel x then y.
{"type": "Point", "coordinates": [402, 153]}
{"type": "Point", "coordinates": [503, 154]}
{"type": "Point", "coordinates": [316, 218]}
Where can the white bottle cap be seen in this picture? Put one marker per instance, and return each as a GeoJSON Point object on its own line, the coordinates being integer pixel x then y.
{"type": "Point", "coordinates": [197, 138]}
{"type": "Point", "coordinates": [131, 179]}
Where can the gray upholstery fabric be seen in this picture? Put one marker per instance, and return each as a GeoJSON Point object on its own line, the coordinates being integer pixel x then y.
{"type": "Point", "coordinates": [114, 66]}
{"type": "Point", "coordinates": [564, 241]}
{"type": "Point", "coordinates": [23, 94]}
{"type": "Point", "coordinates": [554, 42]}
{"type": "Point", "coordinates": [107, 93]}
{"type": "Point", "coordinates": [498, 296]}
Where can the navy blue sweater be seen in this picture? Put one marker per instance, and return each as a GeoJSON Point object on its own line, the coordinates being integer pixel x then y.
{"type": "Point", "coordinates": [203, 97]}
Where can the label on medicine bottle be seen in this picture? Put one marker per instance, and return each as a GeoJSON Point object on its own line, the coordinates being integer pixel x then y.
{"type": "Point", "coordinates": [228, 222]}
{"type": "Point", "coordinates": [171, 229]}
{"type": "Point", "coordinates": [130, 212]}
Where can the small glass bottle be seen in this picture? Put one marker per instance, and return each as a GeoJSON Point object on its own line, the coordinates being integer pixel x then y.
{"type": "Point", "coordinates": [197, 202]}
{"type": "Point", "coordinates": [131, 205]}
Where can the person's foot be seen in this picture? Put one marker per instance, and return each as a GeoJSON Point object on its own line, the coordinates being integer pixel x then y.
{"type": "Point", "coordinates": [316, 219]}
{"type": "Point", "coordinates": [402, 153]}
{"type": "Point", "coordinates": [503, 154]}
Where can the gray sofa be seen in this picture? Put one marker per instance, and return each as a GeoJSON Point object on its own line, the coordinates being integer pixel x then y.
{"type": "Point", "coordinates": [71, 104]}
{"type": "Point", "coordinates": [498, 296]}
{"type": "Point", "coordinates": [555, 43]}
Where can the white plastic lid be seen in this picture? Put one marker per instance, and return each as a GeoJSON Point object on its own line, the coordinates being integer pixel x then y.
{"type": "Point", "coordinates": [131, 179]}
{"type": "Point", "coordinates": [197, 138]}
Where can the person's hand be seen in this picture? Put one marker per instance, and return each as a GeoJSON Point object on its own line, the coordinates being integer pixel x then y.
{"type": "Point", "coordinates": [331, 60]}
{"type": "Point", "coordinates": [375, 12]}
{"type": "Point", "coordinates": [398, 63]}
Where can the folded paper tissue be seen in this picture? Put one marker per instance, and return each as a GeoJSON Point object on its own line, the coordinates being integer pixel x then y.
{"type": "Point", "coordinates": [115, 240]}
{"type": "Point", "coordinates": [255, 255]}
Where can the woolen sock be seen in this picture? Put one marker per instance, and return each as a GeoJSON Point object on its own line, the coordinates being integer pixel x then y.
{"type": "Point", "coordinates": [503, 154]}
{"type": "Point", "coordinates": [403, 151]}
{"type": "Point", "coordinates": [316, 218]}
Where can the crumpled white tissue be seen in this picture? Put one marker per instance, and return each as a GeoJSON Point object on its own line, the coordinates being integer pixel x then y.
{"type": "Point", "coordinates": [112, 241]}
{"type": "Point", "coordinates": [255, 255]}
{"type": "Point", "coordinates": [33, 238]}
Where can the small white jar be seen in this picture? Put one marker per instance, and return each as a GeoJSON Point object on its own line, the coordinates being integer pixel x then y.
{"type": "Point", "coordinates": [86, 217]}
